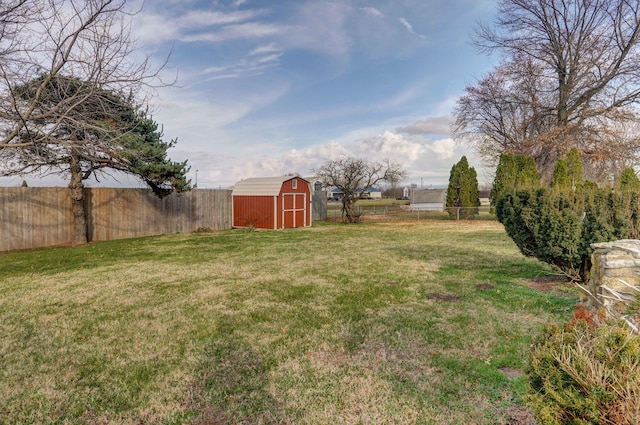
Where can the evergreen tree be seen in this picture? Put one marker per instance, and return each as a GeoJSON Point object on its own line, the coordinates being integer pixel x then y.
{"type": "Point", "coordinates": [560, 180]}
{"type": "Point", "coordinates": [474, 191]}
{"type": "Point", "coordinates": [574, 168]}
{"type": "Point", "coordinates": [462, 193]}
{"type": "Point", "coordinates": [80, 130]}
{"type": "Point", "coordinates": [505, 179]}
{"type": "Point", "coordinates": [628, 181]}
{"type": "Point", "coordinates": [527, 173]}
{"type": "Point", "coordinates": [514, 173]}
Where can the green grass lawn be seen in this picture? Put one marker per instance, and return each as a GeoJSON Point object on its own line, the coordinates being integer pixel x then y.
{"type": "Point", "coordinates": [377, 323]}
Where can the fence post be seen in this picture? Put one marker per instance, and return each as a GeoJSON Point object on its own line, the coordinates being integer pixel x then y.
{"type": "Point", "coordinates": [458, 214]}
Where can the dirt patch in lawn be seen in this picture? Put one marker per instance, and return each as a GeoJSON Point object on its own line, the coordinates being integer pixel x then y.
{"type": "Point", "coordinates": [520, 416]}
{"type": "Point", "coordinates": [511, 372]}
{"type": "Point", "coordinates": [558, 284]}
{"type": "Point", "coordinates": [443, 297]}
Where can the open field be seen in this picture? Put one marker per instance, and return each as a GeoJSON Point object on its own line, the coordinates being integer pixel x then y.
{"type": "Point", "coordinates": [424, 322]}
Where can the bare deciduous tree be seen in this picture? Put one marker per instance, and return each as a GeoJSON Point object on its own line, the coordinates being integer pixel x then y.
{"type": "Point", "coordinates": [570, 76]}
{"type": "Point", "coordinates": [353, 176]}
{"type": "Point", "coordinates": [69, 72]}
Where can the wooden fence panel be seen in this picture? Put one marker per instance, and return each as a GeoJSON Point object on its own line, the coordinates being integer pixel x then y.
{"type": "Point", "coordinates": [35, 217]}
{"type": "Point", "coordinates": [319, 205]}
{"type": "Point", "coordinates": [130, 213]}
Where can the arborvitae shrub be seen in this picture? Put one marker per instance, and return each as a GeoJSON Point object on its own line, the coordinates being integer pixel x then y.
{"type": "Point", "coordinates": [505, 178]}
{"type": "Point", "coordinates": [560, 179]}
{"type": "Point", "coordinates": [462, 193]}
{"type": "Point", "coordinates": [558, 227]}
{"type": "Point", "coordinates": [628, 180]}
{"type": "Point", "coordinates": [515, 212]}
{"type": "Point", "coordinates": [559, 233]}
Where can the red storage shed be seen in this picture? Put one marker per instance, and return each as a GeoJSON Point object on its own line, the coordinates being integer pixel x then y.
{"type": "Point", "coordinates": [272, 203]}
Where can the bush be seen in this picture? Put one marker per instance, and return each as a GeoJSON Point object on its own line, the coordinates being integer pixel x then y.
{"type": "Point", "coordinates": [558, 227]}
{"type": "Point", "coordinates": [585, 373]}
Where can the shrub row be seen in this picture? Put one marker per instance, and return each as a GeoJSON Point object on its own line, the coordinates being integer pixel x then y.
{"type": "Point", "coordinates": [558, 227]}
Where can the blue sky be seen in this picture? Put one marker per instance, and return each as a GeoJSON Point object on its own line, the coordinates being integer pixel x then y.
{"type": "Point", "coordinates": [267, 88]}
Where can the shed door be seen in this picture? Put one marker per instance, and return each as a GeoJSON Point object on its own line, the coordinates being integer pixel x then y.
{"type": "Point", "coordinates": [294, 210]}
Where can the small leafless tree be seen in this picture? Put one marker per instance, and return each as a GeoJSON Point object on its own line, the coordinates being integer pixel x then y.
{"type": "Point", "coordinates": [45, 45]}
{"type": "Point", "coordinates": [570, 76]}
{"type": "Point", "coordinates": [353, 176]}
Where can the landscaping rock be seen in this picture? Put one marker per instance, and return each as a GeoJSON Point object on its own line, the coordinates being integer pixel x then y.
{"type": "Point", "coordinates": [614, 280]}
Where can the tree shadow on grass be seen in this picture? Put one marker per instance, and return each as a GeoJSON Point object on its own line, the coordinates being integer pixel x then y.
{"type": "Point", "coordinates": [231, 386]}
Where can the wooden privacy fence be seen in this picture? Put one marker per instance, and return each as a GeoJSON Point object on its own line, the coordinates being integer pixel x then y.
{"type": "Point", "coordinates": [33, 217]}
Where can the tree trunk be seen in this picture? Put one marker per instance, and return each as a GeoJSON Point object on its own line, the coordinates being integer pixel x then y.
{"type": "Point", "coordinates": [349, 214]}
{"type": "Point", "coordinates": [76, 187]}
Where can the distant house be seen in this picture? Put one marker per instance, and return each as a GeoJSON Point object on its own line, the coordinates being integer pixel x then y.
{"type": "Point", "coordinates": [368, 193]}
{"type": "Point", "coordinates": [335, 194]}
{"type": "Point", "coordinates": [317, 186]}
{"type": "Point", "coordinates": [484, 198]}
{"type": "Point", "coordinates": [428, 200]}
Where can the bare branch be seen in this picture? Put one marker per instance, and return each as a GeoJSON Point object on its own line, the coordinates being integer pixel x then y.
{"type": "Point", "coordinates": [88, 40]}
{"type": "Point", "coordinates": [353, 176]}
{"type": "Point", "coordinates": [570, 77]}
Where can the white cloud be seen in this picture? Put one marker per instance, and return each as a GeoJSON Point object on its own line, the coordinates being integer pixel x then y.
{"type": "Point", "coordinates": [152, 28]}
{"type": "Point", "coordinates": [292, 161]}
{"type": "Point", "coordinates": [207, 18]}
{"type": "Point", "coordinates": [248, 30]}
{"type": "Point", "coordinates": [439, 125]}
{"type": "Point", "coordinates": [184, 112]}
{"type": "Point", "coordinates": [428, 161]}
{"type": "Point", "coordinates": [443, 149]}
{"type": "Point", "coordinates": [409, 28]}
{"type": "Point", "coordinates": [265, 49]}
{"type": "Point", "coordinates": [390, 145]}
{"type": "Point", "coordinates": [432, 160]}
{"type": "Point", "coordinates": [372, 11]}
{"type": "Point", "coordinates": [335, 30]}
{"type": "Point", "coordinates": [255, 63]}
{"type": "Point", "coordinates": [340, 31]}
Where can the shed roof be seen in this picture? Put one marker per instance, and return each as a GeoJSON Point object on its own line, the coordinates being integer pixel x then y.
{"type": "Point", "coordinates": [262, 186]}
